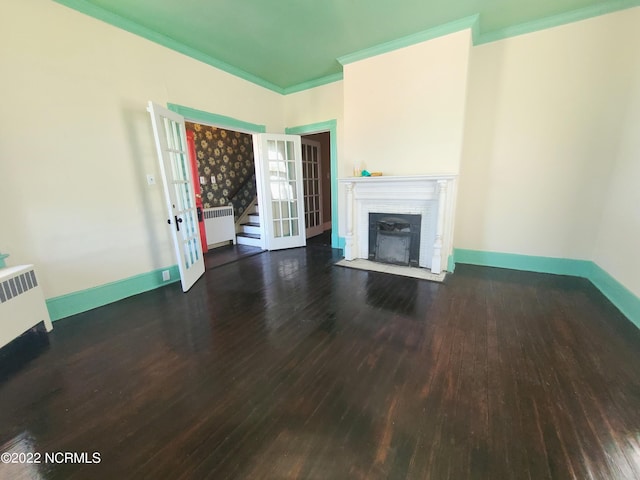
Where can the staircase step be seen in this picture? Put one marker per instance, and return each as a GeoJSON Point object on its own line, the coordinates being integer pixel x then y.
{"type": "Point", "coordinates": [250, 227]}
{"type": "Point", "coordinates": [248, 239]}
{"type": "Point", "coordinates": [249, 235]}
{"type": "Point", "coordinates": [254, 218]}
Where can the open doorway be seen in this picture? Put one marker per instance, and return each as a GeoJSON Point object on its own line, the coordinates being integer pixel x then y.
{"type": "Point", "coordinates": [328, 129]}
{"type": "Point", "coordinates": [226, 166]}
{"type": "Point", "coordinates": [329, 175]}
{"type": "Point", "coordinates": [226, 191]}
{"type": "Point", "coordinates": [316, 161]}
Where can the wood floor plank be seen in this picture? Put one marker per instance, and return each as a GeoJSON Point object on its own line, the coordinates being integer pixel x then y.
{"type": "Point", "coordinates": [281, 365]}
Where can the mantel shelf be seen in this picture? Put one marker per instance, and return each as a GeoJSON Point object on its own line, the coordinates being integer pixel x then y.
{"type": "Point", "coordinates": [400, 178]}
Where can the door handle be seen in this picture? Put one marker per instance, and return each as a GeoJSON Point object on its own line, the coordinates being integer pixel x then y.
{"type": "Point", "coordinates": [178, 222]}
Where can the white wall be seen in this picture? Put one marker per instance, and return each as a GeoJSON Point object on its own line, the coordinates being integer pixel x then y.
{"type": "Point", "coordinates": [546, 113]}
{"type": "Point", "coordinates": [619, 233]}
{"type": "Point", "coordinates": [76, 142]}
{"type": "Point", "coordinates": [314, 105]}
{"type": "Point", "coordinates": [317, 105]}
{"type": "Point", "coordinates": [404, 110]}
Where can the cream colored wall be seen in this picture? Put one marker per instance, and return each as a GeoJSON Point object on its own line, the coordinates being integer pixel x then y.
{"type": "Point", "coordinates": [317, 105]}
{"type": "Point", "coordinates": [314, 105]}
{"type": "Point", "coordinates": [404, 110]}
{"type": "Point", "coordinates": [543, 129]}
{"type": "Point", "coordinates": [619, 233]}
{"type": "Point", "coordinates": [76, 142]}
{"type": "Point", "coordinates": [549, 161]}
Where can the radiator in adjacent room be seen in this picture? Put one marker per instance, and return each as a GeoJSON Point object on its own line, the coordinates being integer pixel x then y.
{"type": "Point", "coordinates": [219, 224]}
{"type": "Point", "coordinates": [22, 304]}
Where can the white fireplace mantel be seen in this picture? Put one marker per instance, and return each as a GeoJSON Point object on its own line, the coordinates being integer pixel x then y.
{"type": "Point", "coordinates": [432, 196]}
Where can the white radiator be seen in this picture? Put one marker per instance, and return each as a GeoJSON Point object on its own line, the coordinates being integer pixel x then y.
{"type": "Point", "coordinates": [219, 224]}
{"type": "Point", "coordinates": [22, 303]}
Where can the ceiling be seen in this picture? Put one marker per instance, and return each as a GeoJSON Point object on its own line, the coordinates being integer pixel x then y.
{"type": "Point", "coordinates": [289, 45]}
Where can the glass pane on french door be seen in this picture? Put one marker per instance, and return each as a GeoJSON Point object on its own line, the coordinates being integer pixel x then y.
{"type": "Point", "coordinates": [283, 188]}
{"type": "Point", "coordinates": [187, 228]}
{"type": "Point", "coordinates": [312, 187]}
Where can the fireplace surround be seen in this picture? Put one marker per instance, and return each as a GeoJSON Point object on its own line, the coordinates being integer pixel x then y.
{"type": "Point", "coordinates": [430, 196]}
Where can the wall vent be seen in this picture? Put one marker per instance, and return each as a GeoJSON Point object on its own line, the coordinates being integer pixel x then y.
{"type": "Point", "coordinates": [17, 285]}
{"type": "Point", "coordinates": [219, 225]}
{"type": "Point", "coordinates": [218, 212]}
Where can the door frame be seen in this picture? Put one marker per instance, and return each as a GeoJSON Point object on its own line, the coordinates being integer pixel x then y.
{"type": "Point", "coordinates": [222, 121]}
{"type": "Point", "coordinates": [330, 126]}
{"type": "Point", "coordinates": [305, 142]}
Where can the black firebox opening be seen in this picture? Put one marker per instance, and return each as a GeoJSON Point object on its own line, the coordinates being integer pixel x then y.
{"type": "Point", "coordinates": [394, 238]}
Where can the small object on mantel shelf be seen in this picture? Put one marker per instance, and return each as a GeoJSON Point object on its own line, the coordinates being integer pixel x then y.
{"type": "Point", "coordinates": [376, 174]}
{"type": "Point", "coordinates": [365, 173]}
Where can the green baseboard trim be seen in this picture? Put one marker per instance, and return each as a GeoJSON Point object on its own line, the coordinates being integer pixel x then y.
{"type": "Point", "coordinates": [625, 300]}
{"type": "Point", "coordinates": [84, 300]}
{"type": "Point", "coordinates": [557, 266]}
{"type": "Point", "coordinates": [451, 264]}
{"type": "Point", "coordinates": [338, 242]}
{"type": "Point", "coordinates": [618, 294]}
{"type": "Point", "coordinates": [2, 257]}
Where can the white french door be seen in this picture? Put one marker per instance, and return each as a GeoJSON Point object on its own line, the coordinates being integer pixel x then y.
{"type": "Point", "coordinates": [312, 178]}
{"type": "Point", "coordinates": [280, 191]}
{"type": "Point", "coordinates": [171, 144]}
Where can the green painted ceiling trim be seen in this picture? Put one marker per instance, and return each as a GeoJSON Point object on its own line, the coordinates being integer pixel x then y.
{"type": "Point", "coordinates": [218, 120]}
{"type": "Point", "coordinates": [472, 21]}
{"type": "Point", "coordinates": [330, 126]}
{"type": "Point", "coordinates": [435, 32]}
{"type": "Point", "coordinates": [99, 13]}
{"type": "Point", "coordinates": [85, 300]}
{"type": "Point", "coordinates": [318, 82]}
{"type": "Point", "coordinates": [556, 20]}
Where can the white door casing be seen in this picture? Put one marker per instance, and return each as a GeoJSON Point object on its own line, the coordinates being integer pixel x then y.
{"type": "Point", "coordinates": [171, 144]}
{"type": "Point", "coordinates": [278, 163]}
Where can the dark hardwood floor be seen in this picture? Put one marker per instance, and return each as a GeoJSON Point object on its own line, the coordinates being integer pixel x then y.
{"type": "Point", "coordinates": [281, 365]}
{"type": "Point", "coordinates": [223, 255]}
